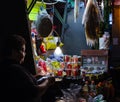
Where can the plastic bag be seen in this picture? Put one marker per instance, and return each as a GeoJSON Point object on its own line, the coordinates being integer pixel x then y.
{"type": "Point", "coordinates": [44, 24]}
{"type": "Point", "coordinates": [71, 94]}
{"type": "Point", "coordinates": [50, 42]}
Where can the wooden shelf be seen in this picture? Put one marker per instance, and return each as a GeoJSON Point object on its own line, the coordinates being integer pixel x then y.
{"type": "Point", "coordinates": [94, 52]}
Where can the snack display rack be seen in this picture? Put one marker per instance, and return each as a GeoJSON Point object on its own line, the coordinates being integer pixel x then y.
{"type": "Point", "coordinates": [94, 61]}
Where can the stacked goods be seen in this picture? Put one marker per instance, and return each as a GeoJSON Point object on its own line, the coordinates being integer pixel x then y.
{"type": "Point", "coordinates": [66, 66]}
{"type": "Point", "coordinates": [72, 64]}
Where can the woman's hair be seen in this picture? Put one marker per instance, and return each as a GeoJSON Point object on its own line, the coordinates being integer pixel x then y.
{"type": "Point", "coordinates": [12, 42]}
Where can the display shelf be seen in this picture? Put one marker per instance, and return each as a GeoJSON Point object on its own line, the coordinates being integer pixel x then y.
{"type": "Point", "coordinates": [94, 61]}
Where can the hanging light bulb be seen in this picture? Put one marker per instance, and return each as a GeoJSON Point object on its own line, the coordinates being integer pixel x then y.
{"type": "Point", "coordinates": [58, 52]}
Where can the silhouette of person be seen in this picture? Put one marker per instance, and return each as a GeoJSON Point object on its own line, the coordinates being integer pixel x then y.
{"type": "Point", "coordinates": [18, 84]}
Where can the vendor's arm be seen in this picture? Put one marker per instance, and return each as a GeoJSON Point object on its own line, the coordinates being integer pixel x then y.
{"type": "Point", "coordinates": [45, 84]}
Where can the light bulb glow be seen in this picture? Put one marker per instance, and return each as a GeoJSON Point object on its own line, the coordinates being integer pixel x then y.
{"type": "Point", "coordinates": [58, 52]}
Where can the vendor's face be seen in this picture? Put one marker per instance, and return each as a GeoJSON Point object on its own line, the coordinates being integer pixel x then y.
{"type": "Point", "coordinates": [18, 55]}
{"type": "Point", "coordinates": [22, 54]}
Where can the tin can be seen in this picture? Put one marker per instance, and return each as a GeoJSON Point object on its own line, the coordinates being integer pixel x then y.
{"type": "Point", "coordinates": [75, 58]}
{"type": "Point", "coordinates": [68, 72]}
{"type": "Point", "coordinates": [67, 58]}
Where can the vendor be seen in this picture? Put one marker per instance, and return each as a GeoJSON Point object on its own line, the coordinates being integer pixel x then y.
{"type": "Point", "coordinates": [17, 83]}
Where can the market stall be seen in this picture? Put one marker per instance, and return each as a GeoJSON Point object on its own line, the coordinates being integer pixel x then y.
{"type": "Point", "coordinates": [84, 74]}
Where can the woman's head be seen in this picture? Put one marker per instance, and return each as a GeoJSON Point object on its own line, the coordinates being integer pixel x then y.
{"type": "Point", "coordinates": [14, 47]}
